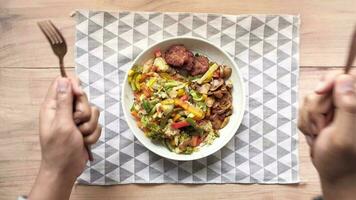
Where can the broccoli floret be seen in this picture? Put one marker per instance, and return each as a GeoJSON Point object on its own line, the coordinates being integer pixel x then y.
{"type": "Point", "coordinates": [154, 135]}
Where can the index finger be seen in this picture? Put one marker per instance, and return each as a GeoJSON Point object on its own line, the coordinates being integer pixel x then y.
{"type": "Point", "coordinates": [82, 110]}
{"type": "Point", "coordinates": [77, 90]}
{"type": "Point", "coordinates": [326, 83]}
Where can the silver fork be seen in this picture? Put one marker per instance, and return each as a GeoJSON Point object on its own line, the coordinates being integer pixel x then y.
{"type": "Point", "coordinates": [59, 47]}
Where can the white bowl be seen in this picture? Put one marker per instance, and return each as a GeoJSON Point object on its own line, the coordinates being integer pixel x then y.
{"type": "Point", "coordinates": [214, 53]}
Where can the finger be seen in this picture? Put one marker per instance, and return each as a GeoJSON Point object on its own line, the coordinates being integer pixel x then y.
{"type": "Point", "coordinates": [312, 118]}
{"type": "Point", "coordinates": [88, 127]}
{"type": "Point", "coordinates": [319, 121]}
{"type": "Point", "coordinates": [345, 94]}
{"type": "Point", "coordinates": [48, 107]}
{"type": "Point", "coordinates": [93, 138]}
{"type": "Point", "coordinates": [319, 104]}
{"type": "Point", "coordinates": [313, 128]}
{"type": "Point", "coordinates": [345, 112]}
{"type": "Point", "coordinates": [311, 154]}
{"type": "Point", "coordinates": [304, 121]}
{"type": "Point", "coordinates": [82, 111]}
{"type": "Point", "coordinates": [77, 90]}
{"type": "Point", "coordinates": [89, 153]}
{"type": "Point", "coordinates": [329, 116]}
{"type": "Point", "coordinates": [310, 140]}
{"type": "Point", "coordinates": [326, 83]}
{"type": "Point", "coordinates": [64, 100]}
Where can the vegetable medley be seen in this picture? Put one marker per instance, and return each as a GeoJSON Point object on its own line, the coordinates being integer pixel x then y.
{"type": "Point", "coordinates": [181, 99]}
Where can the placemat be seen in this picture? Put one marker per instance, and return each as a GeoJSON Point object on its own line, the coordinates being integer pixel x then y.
{"type": "Point", "coordinates": [265, 48]}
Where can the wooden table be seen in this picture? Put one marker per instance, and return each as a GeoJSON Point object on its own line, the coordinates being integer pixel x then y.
{"type": "Point", "coordinates": [27, 66]}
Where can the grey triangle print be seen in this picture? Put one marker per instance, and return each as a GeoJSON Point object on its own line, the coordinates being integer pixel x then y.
{"type": "Point", "coordinates": [265, 48]}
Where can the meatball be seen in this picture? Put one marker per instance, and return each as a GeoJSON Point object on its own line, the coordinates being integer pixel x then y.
{"type": "Point", "coordinates": [201, 65]}
{"type": "Point", "coordinates": [176, 55]}
{"type": "Point", "coordinates": [179, 57]}
{"type": "Point", "coordinates": [189, 63]}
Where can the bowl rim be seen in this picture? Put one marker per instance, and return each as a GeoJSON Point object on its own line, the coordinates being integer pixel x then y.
{"type": "Point", "coordinates": [224, 142]}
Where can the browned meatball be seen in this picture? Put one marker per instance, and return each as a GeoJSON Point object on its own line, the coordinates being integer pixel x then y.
{"type": "Point", "coordinates": [176, 55]}
{"type": "Point", "coordinates": [189, 63]}
{"type": "Point", "coordinates": [201, 65]}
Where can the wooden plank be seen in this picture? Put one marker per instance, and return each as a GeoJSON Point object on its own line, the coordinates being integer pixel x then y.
{"type": "Point", "coordinates": [22, 93]}
{"type": "Point", "coordinates": [325, 31]}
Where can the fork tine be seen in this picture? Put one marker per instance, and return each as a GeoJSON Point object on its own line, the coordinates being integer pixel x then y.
{"type": "Point", "coordinates": [58, 33]}
{"type": "Point", "coordinates": [44, 31]}
{"type": "Point", "coordinates": [49, 32]}
{"type": "Point", "coordinates": [53, 33]}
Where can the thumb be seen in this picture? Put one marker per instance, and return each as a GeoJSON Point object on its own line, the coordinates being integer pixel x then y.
{"type": "Point", "coordinates": [64, 99]}
{"type": "Point", "coordinates": [345, 94]}
{"type": "Point", "coordinates": [345, 112]}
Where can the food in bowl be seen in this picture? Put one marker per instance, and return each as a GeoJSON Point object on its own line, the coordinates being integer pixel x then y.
{"type": "Point", "coordinates": [181, 99]}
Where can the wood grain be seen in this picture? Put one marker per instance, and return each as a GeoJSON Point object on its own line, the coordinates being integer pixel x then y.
{"type": "Point", "coordinates": [325, 31]}
{"type": "Point", "coordinates": [23, 91]}
{"type": "Point", "coordinates": [27, 66]}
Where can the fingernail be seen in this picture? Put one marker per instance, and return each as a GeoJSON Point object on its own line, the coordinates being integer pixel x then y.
{"type": "Point", "coordinates": [62, 86]}
{"type": "Point", "coordinates": [346, 86]}
{"type": "Point", "coordinates": [320, 86]}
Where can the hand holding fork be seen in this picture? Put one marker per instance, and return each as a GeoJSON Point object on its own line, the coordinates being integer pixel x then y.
{"type": "Point", "coordinates": [84, 116]}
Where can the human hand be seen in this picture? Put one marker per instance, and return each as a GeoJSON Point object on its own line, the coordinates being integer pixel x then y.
{"type": "Point", "coordinates": [63, 136]}
{"type": "Point", "coordinates": [61, 131]}
{"type": "Point", "coordinates": [328, 120]}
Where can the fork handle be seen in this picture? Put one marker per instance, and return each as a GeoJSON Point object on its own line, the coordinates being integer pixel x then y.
{"type": "Point", "coordinates": [90, 153]}
{"type": "Point", "coordinates": [61, 67]}
{"type": "Point", "coordinates": [352, 53]}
